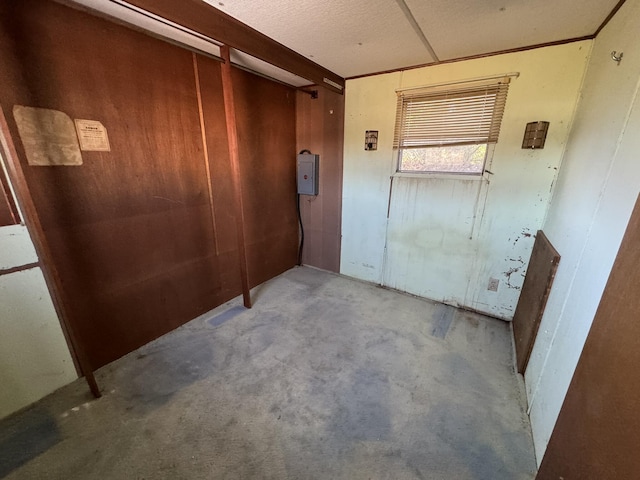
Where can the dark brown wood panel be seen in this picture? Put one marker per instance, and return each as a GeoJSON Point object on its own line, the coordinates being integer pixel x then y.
{"type": "Point", "coordinates": [320, 129]}
{"type": "Point", "coordinates": [265, 112]}
{"type": "Point", "coordinates": [597, 433]}
{"type": "Point", "coordinates": [220, 168]}
{"type": "Point", "coordinates": [533, 298]}
{"type": "Point", "coordinates": [265, 115]}
{"type": "Point", "coordinates": [131, 230]}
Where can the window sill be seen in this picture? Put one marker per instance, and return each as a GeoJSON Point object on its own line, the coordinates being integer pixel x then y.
{"type": "Point", "coordinates": [441, 176]}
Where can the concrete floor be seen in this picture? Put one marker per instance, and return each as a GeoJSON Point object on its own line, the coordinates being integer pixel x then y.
{"type": "Point", "coordinates": [325, 378]}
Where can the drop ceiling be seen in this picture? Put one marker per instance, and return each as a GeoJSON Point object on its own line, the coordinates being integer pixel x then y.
{"type": "Point", "coordinates": [361, 37]}
{"type": "Point", "coordinates": [357, 37]}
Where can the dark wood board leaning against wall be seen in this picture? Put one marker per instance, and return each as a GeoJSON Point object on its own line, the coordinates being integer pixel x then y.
{"type": "Point", "coordinates": [533, 298]}
{"type": "Point", "coordinates": [131, 229]}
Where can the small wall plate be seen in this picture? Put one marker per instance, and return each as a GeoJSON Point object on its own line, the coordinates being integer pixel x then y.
{"type": "Point", "coordinates": [371, 140]}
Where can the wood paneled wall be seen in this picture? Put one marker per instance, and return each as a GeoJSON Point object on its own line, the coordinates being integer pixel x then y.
{"type": "Point", "coordinates": [320, 128]}
{"type": "Point", "coordinates": [131, 230]}
{"type": "Point", "coordinates": [266, 131]}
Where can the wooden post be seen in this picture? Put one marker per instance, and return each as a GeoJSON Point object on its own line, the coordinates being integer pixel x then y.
{"type": "Point", "coordinates": [232, 138]}
{"type": "Point", "coordinates": [49, 270]}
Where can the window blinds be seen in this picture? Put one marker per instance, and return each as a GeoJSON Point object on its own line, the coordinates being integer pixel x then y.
{"type": "Point", "coordinates": [458, 116]}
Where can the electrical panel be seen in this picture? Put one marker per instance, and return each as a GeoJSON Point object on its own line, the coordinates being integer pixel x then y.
{"type": "Point", "coordinates": [308, 173]}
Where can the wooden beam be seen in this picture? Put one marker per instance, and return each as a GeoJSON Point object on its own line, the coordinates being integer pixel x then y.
{"type": "Point", "coordinates": [200, 17]}
{"type": "Point", "coordinates": [41, 245]}
{"type": "Point", "coordinates": [232, 136]}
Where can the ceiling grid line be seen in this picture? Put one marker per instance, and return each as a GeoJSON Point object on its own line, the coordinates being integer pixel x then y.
{"type": "Point", "coordinates": [416, 27]}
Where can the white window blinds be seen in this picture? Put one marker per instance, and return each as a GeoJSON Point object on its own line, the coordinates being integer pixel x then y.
{"type": "Point", "coordinates": [456, 116]}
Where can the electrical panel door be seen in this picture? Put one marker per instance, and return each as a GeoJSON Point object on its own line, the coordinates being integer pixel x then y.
{"type": "Point", "coordinates": [307, 168]}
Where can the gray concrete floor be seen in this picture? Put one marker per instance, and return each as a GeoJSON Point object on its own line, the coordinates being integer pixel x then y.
{"type": "Point", "coordinates": [325, 378]}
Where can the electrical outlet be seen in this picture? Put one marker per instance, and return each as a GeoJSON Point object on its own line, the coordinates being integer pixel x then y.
{"type": "Point", "coordinates": [493, 284]}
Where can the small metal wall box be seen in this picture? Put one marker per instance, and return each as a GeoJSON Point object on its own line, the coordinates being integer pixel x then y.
{"type": "Point", "coordinates": [371, 140]}
{"type": "Point", "coordinates": [535, 134]}
{"type": "Point", "coordinates": [308, 173]}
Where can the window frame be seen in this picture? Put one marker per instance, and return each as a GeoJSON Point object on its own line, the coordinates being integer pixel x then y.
{"type": "Point", "coordinates": [436, 114]}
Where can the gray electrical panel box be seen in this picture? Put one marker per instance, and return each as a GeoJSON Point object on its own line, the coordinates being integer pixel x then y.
{"type": "Point", "coordinates": [307, 168]}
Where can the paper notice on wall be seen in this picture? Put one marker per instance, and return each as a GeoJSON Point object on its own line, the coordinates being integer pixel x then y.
{"type": "Point", "coordinates": [92, 135]}
{"type": "Point", "coordinates": [48, 136]}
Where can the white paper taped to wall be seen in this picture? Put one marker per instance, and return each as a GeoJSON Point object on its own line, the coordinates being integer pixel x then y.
{"type": "Point", "coordinates": [92, 135]}
{"type": "Point", "coordinates": [48, 136]}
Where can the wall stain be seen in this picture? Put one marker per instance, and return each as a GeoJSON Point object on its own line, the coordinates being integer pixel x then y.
{"type": "Point", "coordinates": [513, 270]}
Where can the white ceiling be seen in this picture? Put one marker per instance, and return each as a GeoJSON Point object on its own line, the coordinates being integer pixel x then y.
{"type": "Point", "coordinates": [359, 37]}
{"type": "Point", "coordinates": [356, 37]}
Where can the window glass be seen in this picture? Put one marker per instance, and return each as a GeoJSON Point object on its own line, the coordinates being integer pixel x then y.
{"type": "Point", "coordinates": [467, 159]}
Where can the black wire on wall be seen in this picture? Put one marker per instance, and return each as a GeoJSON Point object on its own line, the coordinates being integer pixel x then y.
{"type": "Point", "coordinates": [301, 245]}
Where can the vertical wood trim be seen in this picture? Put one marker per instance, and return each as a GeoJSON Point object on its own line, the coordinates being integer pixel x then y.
{"type": "Point", "coordinates": [205, 152]}
{"type": "Point", "coordinates": [7, 197]}
{"type": "Point", "coordinates": [43, 250]}
{"type": "Point", "coordinates": [232, 138]}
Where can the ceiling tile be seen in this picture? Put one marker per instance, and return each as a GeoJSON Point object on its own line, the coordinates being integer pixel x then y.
{"type": "Point", "coordinates": [460, 28]}
{"type": "Point", "coordinates": [349, 38]}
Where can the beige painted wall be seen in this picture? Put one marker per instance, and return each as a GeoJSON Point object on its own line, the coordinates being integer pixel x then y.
{"type": "Point", "coordinates": [596, 192]}
{"type": "Point", "coordinates": [34, 357]}
{"type": "Point", "coordinates": [447, 245]}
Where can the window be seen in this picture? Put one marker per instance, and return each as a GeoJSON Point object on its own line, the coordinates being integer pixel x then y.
{"type": "Point", "coordinates": [448, 130]}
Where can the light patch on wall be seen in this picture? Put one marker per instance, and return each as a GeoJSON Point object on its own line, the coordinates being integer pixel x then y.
{"type": "Point", "coordinates": [48, 136]}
